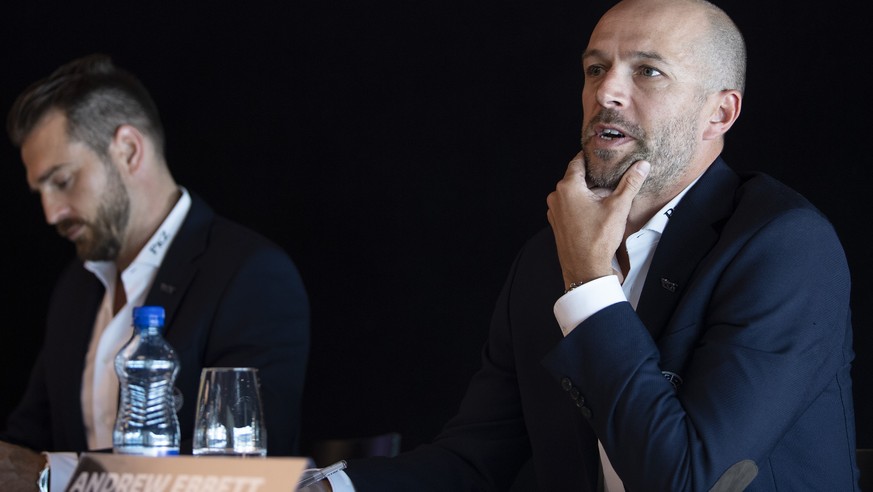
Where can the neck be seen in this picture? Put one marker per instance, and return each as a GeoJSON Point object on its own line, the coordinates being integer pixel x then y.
{"type": "Point", "coordinates": [643, 209]}
{"type": "Point", "coordinates": [159, 207]}
{"type": "Point", "coordinates": [120, 295]}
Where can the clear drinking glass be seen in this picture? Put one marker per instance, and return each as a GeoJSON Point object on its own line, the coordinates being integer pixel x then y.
{"type": "Point", "coordinates": [230, 418]}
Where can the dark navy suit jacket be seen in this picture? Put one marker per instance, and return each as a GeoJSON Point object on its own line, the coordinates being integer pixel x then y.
{"type": "Point", "coordinates": [746, 301]}
{"type": "Point", "coordinates": [232, 298]}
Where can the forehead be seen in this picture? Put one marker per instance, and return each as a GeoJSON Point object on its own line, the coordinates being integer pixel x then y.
{"type": "Point", "coordinates": [49, 131]}
{"type": "Point", "coordinates": [668, 30]}
{"type": "Point", "coordinates": [48, 146]}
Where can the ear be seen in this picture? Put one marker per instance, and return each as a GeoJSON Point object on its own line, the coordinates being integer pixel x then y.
{"type": "Point", "coordinates": [723, 116]}
{"type": "Point", "coordinates": [128, 148]}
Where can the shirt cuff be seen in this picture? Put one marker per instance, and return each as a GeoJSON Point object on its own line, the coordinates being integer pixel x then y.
{"type": "Point", "coordinates": [340, 482]}
{"type": "Point", "coordinates": [62, 466]}
{"type": "Point", "coordinates": [579, 304]}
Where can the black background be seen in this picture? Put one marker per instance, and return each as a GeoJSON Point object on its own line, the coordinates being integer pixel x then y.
{"type": "Point", "coordinates": [401, 152]}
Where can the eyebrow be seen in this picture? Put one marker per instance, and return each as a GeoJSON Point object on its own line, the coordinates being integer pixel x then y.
{"type": "Point", "coordinates": [47, 175]}
{"type": "Point", "coordinates": [635, 55]}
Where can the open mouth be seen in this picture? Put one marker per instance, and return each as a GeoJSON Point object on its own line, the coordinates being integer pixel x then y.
{"type": "Point", "coordinates": [610, 134]}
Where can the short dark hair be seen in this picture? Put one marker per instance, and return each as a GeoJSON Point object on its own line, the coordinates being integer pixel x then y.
{"type": "Point", "coordinates": [96, 97]}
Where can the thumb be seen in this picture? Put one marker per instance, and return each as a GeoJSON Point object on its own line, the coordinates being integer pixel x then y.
{"type": "Point", "coordinates": [633, 180]}
{"type": "Point", "coordinates": [630, 185]}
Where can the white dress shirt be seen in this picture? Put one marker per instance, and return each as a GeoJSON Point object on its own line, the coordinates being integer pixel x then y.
{"type": "Point", "coordinates": [576, 306]}
{"type": "Point", "coordinates": [112, 331]}
{"type": "Point", "coordinates": [99, 381]}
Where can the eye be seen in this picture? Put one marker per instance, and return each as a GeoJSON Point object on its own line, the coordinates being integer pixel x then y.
{"type": "Point", "coordinates": [649, 72]}
{"type": "Point", "coordinates": [62, 182]}
{"type": "Point", "coordinates": [594, 70]}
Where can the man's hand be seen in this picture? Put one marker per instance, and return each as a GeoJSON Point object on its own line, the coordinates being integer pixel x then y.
{"type": "Point", "coordinates": [19, 468]}
{"type": "Point", "coordinates": [589, 224]}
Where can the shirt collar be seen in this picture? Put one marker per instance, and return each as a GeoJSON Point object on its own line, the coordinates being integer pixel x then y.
{"type": "Point", "coordinates": [156, 247]}
{"type": "Point", "coordinates": [659, 221]}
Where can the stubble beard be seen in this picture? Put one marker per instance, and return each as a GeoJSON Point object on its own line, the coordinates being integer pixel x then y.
{"type": "Point", "coordinates": [103, 236]}
{"type": "Point", "coordinates": [668, 148]}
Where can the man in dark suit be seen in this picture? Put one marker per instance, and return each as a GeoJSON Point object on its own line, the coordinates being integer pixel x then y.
{"type": "Point", "coordinates": [93, 148]}
{"type": "Point", "coordinates": [679, 326]}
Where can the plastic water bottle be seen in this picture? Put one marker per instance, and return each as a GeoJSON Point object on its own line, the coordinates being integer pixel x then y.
{"type": "Point", "coordinates": [147, 366]}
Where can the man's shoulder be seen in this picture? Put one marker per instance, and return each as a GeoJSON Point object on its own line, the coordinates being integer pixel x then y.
{"type": "Point", "coordinates": [763, 195]}
{"type": "Point", "coordinates": [219, 243]}
{"type": "Point", "coordinates": [223, 231]}
{"type": "Point", "coordinates": [767, 208]}
{"type": "Point", "coordinates": [236, 239]}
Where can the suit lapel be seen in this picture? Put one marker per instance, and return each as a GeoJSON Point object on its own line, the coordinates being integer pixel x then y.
{"type": "Point", "coordinates": [178, 267]}
{"type": "Point", "coordinates": [690, 234]}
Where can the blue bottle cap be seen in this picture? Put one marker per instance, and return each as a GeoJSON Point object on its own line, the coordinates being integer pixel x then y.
{"type": "Point", "coordinates": [148, 316]}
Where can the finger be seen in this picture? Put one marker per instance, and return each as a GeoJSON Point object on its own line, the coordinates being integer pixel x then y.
{"type": "Point", "coordinates": [576, 168]}
{"type": "Point", "coordinates": [632, 180]}
{"type": "Point", "coordinates": [629, 186]}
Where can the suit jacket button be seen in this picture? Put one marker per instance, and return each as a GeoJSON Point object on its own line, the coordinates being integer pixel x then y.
{"type": "Point", "coordinates": [566, 384]}
{"type": "Point", "coordinates": [586, 412]}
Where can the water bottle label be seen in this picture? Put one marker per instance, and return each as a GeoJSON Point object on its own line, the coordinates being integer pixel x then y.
{"type": "Point", "coordinates": [146, 451]}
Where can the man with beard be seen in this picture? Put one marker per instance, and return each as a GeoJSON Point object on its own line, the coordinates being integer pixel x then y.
{"type": "Point", "coordinates": [679, 326]}
{"type": "Point", "coordinates": [92, 144]}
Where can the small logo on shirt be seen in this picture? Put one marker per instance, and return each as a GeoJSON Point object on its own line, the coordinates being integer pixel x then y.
{"type": "Point", "coordinates": [160, 241]}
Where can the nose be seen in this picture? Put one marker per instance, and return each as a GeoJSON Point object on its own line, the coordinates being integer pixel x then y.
{"type": "Point", "coordinates": [54, 208]}
{"type": "Point", "coordinates": [612, 90]}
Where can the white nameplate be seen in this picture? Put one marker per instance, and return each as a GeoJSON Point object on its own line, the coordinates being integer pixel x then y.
{"type": "Point", "coordinates": [104, 472]}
